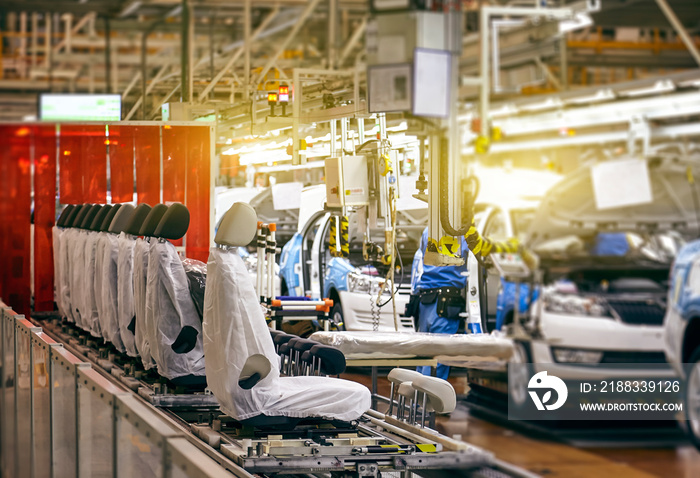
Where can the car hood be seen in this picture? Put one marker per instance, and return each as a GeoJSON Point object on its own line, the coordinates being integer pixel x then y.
{"type": "Point", "coordinates": [569, 208]}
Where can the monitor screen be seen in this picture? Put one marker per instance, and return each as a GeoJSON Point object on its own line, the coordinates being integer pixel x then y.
{"type": "Point", "coordinates": [80, 107]}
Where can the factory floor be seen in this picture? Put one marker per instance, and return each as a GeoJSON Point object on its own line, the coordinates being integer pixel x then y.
{"type": "Point", "coordinates": [551, 458]}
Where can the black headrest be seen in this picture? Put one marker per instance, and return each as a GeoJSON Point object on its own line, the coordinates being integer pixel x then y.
{"type": "Point", "coordinates": [72, 215]}
{"type": "Point", "coordinates": [104, 227]}
{"type": "Point", "coordinates": [99, 217]}
{"type": "Point", "coordinates": [121, 219]}
{"type": "Point", "coordinates": [174, 223]}
{"type": "Point", "coordinates": [137, 218]}
{"type": "Point", "coordinates": [64, 215]}
{"type": "Point", "coordinates": [282, 338]}
{"type": "Point", "coordinates": [82, 211]}
{"type": "Point", "coordinates": [303, 344]}
{"type": "Point", "coordinates": [152, 220]}
{"type": "Point", "coordinates": [332, 359]}
{"type": "Point", "coordinates": [89, 216]}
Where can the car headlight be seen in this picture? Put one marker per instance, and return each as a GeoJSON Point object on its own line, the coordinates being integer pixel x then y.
{"type": "Point", "coordinates": [362, 283]}
{"type": "Point", "coordinates": [577, 356]}
{"type": "Point", "coordinates": [575, 305]}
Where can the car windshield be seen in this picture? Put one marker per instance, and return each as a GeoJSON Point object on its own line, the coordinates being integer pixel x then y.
{"type": "Point", "coordinates": [618, 246]}
{"type": "Point", "coordinates": [410, 225]}
{"type": "Point", "coordinates": [521, 219]}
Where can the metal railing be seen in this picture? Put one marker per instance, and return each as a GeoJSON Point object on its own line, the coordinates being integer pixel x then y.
{"type": "Point", "coordinates": [60, 418]}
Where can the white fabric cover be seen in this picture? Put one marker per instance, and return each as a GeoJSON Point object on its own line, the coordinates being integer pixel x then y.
{"type": "Point", "coordinates": [169, 308]}
{"type": "Point", "coordinates": [235, 329]}
{"type": "Point", "coordinates": [143, 346]}
{"type": "Point", "coordinates": [125, 291]}
{"type": "Point", "coordinates": [89, 313]}
{"type": "Point", "coordinates": [97, 281]}
{"type": "Point", "coordinates": [109, 290]}
{"type": "Point", "coordinates": [77, 260]}
{"type": "Point", "coordinates": [56, 242]}
{"type": "Point", "coordinates": [366, 345]}
{"type": "Point", "coordinates": [65, 258]}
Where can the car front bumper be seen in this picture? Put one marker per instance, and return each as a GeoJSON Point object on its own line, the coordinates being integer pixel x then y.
{"type": "Point", "coordinates": [357, 312]}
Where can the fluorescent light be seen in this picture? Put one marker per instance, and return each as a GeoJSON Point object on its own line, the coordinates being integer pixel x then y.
{"type": "Point", "coordinates": [661, 86]}
{"type": "Point", "coordinates": [600, 95]}
{"type": "Point", "coordinates": [581, 20]}
{"type": "Point", "coordinates": [549, 103]}
{"type": "Point", "coordinates": [505, 110]}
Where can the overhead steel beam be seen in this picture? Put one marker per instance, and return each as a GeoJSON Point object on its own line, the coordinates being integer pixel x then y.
{"type": "Point", "coordinates": [100, 7]}
{"type": "Point", "coordinates": [680, 29]}
{"type": "Point", "coordinates": [147, 90]}
{"type": "Point", "coordinates": [352, 42]}
{"type": "Point", "coordinates": [285, 43]}
{"type": "Point", "coordinates": [237, 54]}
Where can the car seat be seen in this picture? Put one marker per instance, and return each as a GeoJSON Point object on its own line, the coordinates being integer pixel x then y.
{"type": "Point", "coordinates": [173, 326]}
{"type": "Point", "coordinates": [242, 365]}
{"type": "Point", "coordinates": [125, 272]}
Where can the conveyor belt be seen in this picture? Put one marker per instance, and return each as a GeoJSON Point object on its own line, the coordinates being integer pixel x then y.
{"type": "Point", "coordinates": [375, 444]}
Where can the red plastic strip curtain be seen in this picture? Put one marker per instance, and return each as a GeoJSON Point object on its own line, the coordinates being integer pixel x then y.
{"type": "Point", "coordinates": [44, 214]}
{"type": "Point", "coordinates": [83, 164]}
{"type": "Point", "coordinates": [121, 163]}
{"type": "Point", "coordinates": [174, 165]}
{"type": "Point", "coordinates": [147, 158]}
{"type": "Point", "coordinates": [15, 216]}
{"type": "Point", "coordinates": [198, 191]}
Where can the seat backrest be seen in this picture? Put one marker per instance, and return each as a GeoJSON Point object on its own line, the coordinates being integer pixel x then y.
{"type": "Point", "coordinates": [137, 218]}
{"type": "Point", "coordinates": [234, 325]}
{"type": "Point", "coordinates": [175, 328]}
{"type": "Point", "coordinates": [61, 222]}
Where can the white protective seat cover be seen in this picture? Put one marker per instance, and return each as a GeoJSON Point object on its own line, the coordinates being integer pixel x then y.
{"type": "Point", "coordinates": [125, 292]}
{"type": "Point", "coordinates": [109, 290]}
{"type": "Point", "coordinates": [235, 329]}
{"type": "Point", "coordinates": [97, 283]}
{"type": "Point", "coordinates": [56, 233]}
{"type": "Point", "coordinates": [375, 345]}
{"type": "Point", "coordinates": [143, 347]}
{"type": "Point", "coordinates": [77, 280]}
{"type": "Point", "coordinates": [65, 256]}
{"type": "Point", "coordinates": [89, 313]}
{"type": "Point", "coordinates": [169, 309]}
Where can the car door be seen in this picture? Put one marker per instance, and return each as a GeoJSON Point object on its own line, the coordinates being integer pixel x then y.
{"type": "Point", "coordinates": [309, 253]}
{"type": "Point", "coordinates": [496, 229]}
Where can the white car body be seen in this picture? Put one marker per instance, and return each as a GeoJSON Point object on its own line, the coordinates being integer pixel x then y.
{"type": "Point", "coordinates": [625, 323]}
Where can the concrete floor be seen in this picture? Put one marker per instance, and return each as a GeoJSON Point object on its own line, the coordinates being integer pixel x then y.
{"type": "Point", "coordinates": [557, 460]}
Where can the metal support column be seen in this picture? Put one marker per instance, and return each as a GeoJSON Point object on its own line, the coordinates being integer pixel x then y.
{"type": "Point", "coordinates": [246, 48]}
{"type": "Point", "coordinates": [144, 72]}
{"type": "Point", "coordinates": [108, 58]}
{"type": "Point", "coordinates": [563, 64]}
{"type": "Point", "coordinates": [186, 50]}
{"type": "Point", "coordinates": [332, 35]}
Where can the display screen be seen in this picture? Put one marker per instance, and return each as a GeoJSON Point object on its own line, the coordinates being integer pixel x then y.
{"type": "Point", "coordinates": [80, 107]}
